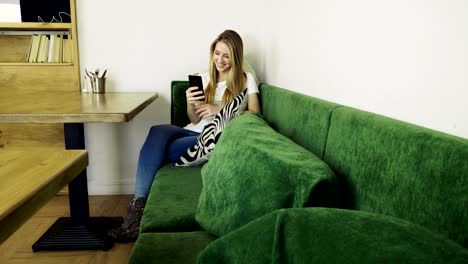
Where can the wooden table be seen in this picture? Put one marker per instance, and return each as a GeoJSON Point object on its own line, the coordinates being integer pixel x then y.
{"type": "Point", "coordinates": [22, 106]}
{"type": "Point", "coordinates": [80, 231]}
{"type": "Point", "coordinates": [25, 189]}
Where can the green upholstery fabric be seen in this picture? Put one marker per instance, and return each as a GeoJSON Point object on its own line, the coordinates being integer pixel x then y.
{"type": "Point", "coordinates": [179, 103]}
{"type": "Point", "coordinates": [401, 170]}
{"type": "Point", "coordinates": [323, 235]}
{"type": "Point", "coordinates": [253, 171]}
{"type": "Point", "coordinates": [386, 167]}
{"type": "Point", "coordinates": [303, 119]}
{"type": "Point", "coordinates": [172, 201]}
{"type": "Point", "coordinates": [169, 248]}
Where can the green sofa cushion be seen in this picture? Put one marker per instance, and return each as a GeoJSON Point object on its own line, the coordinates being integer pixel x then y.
{"type": "Point", "coordinates": [253, 171]}
{"type": "Point", "coordinates": [303, 119]}
{"type": "Point", "coordinates": [325, 235]}
{"type": "Point", "coordinates": [401, 170]}
{"type": "Point", "coordinates": [173, 199]}
{"type": "Point", "coordinates": [168, 248]}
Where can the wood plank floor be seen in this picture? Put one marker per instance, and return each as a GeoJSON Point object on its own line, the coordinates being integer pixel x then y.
{"type": "Point", "coordinates": [17, 249]}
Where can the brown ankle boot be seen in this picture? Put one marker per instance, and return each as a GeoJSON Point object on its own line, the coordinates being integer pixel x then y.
{"type": "Point", "coordinates": [130, 228]}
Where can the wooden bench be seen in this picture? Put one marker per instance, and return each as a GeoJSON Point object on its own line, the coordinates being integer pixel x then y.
{"type": "Point", "coordinates": [29, 178]}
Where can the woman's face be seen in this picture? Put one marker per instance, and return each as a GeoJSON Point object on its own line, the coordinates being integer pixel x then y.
{"type": "Point", "coordinates": [221, 57]}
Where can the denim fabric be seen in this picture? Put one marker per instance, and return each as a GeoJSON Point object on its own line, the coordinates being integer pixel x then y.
{"type": "Point", "coordinates": [164, 143]}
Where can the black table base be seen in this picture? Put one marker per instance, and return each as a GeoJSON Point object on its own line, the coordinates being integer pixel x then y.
{"type": "Point", "coordinates": [79, 231]}
{"type": "Point", "coordinates": [63, 235]}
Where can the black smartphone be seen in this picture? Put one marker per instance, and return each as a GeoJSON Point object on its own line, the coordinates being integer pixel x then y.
{"type": "Point", "coordinates": [196, 80]}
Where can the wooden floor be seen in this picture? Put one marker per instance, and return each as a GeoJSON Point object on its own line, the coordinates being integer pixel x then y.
{"type": "Point", "coordinates": [17, 249]}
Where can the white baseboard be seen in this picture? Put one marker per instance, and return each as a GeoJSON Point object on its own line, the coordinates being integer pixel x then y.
{"type": "Point", "coordinates": [110, 188]}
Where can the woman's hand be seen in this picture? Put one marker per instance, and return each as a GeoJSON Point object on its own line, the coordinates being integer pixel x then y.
{"type": "Point", "coordinates": [206, 110]}
{"type": "Point", "coordinates": [194, 96]}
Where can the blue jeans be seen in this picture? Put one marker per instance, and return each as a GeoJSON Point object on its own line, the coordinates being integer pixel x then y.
{"type": "Point", "coordinates": [164, 143]}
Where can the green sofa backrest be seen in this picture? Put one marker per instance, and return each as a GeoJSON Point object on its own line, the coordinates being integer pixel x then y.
{"type": "Point", "coordinates": [402, 170]}
{"type": "Point", "coordinates": [385, 166]}
{"type": "Point", "coordinates": [303, 119]}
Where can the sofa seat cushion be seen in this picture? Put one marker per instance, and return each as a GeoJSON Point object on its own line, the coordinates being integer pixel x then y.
{"type": "Point", "coordinates": [253, 171]}
{"type": "Point", "coordinates": [326, 235]}
{"type": "Point", "coordinates": [172, 201]}
{"type": "Point", "coordinates": [177, 248]}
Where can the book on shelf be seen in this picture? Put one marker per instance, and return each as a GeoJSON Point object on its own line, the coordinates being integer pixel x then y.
{"type": "Point", "coordinates": [40, 52]}
{"type": "Point", "coordinates": [29, 51]}
{"type": "Point", "coordinates": [53, 48]}
{"type": "Point", "coordinates": [45, 50]}
{"type": "Point", "coordinates": [53, 39]}
{"type": "Point", "coordinates": [67, 50]}
{"type": "Point", "coordinates": [60, 48]}
{"type": "Point", "coordinates": [34, 48]}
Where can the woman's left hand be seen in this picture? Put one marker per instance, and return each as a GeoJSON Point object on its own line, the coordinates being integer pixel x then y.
{"type": "Point", "coordinates": [206, 110]}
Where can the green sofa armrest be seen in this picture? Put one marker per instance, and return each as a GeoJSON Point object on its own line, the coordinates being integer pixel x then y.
{"type": "Point", "coordinates": [179, 103]}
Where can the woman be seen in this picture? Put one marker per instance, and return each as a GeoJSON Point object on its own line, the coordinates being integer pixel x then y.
{"type": "Point", "coordinates": [166, 143]}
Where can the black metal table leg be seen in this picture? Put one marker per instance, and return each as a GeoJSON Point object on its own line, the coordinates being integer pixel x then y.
{"type": "Point", "coordinates": [79, 231]}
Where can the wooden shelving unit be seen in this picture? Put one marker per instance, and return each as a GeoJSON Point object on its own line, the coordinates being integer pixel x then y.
{"type": "Point", "coordinates": [15, 70]}
{"type": "Point", "coordinates": [18, 74]}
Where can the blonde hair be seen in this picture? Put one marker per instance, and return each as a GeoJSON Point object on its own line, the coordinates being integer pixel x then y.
{"type": "Point", "coordinates": [236, 78]}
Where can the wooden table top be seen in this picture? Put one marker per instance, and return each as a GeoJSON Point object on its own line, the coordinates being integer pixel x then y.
{"type": "Point", "coordinates": [20, 106]}
{"type": "Point", "coordinates": [30, 177]}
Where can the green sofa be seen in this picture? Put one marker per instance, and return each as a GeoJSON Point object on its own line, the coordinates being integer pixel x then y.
{"type": "Point", "coordinates": [400, 194]}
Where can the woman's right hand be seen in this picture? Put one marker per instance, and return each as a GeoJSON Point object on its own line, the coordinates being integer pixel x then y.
{"type": "Point", "coordinates": [194, 96]}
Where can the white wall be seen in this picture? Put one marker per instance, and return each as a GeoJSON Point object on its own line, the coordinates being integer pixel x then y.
{"type": "Point", "coordinates": [145, 45]}
{"type": "Point", "coordinates": [403, 59]}
{"type": "Point", "coordinates": [10, 11]}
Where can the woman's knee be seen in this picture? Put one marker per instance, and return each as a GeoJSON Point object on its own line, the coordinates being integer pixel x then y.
{"type": "Point", "coordinates": [157, 137]}
{"type": "Point", "coordinates": [159, 130]}
{"type": "Point", "coordinates": [179, 147]}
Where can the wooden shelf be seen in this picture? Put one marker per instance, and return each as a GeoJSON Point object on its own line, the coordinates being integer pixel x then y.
{"type": "Point", "coordinates": [34, 26]}
{"type": "Point", "coordinates": [34, 64]}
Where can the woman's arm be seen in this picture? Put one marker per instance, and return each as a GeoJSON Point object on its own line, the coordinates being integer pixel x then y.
{"type": "Point", "coordinates": [253, 104]}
